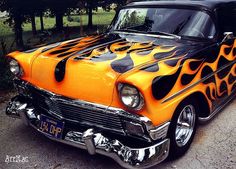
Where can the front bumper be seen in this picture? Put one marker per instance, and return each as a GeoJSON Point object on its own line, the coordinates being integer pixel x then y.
{"type": "Point", "coordinates": [96, 142]}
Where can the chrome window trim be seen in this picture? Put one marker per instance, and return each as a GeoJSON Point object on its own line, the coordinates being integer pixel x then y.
{"type": "Point", "coordinates": [144, 34]}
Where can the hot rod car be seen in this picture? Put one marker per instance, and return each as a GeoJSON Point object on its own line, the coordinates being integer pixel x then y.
{"type": "Point", "coordinates": [137, 92]}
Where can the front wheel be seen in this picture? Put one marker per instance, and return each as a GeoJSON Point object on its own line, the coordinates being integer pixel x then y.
{"type": "Point", "coordinates": [182, 129]}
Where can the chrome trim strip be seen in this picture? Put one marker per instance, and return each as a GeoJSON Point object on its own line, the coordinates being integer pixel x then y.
{"type": "Point", "coordinates": [96, 107]}
{"type": "Point", "coordinates": [141, 34]}
{"type": "Point", "coordinates": [196, 83]}
{"type": "Point", "coordinates": [159, 132]}
{"type": "Point", "coordinates": [206, 119]}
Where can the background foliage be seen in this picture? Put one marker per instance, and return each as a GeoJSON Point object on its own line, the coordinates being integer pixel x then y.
{"type": "Point", "coordinates": [33, 23]}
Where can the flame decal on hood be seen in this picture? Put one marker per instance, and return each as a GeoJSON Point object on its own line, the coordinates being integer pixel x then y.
{"type": "Point", "coordinates": [68, 50]}
{"type": "Point", "coordinates": [123, 55]}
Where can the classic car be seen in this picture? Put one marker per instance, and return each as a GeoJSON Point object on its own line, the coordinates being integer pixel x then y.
{"type": "Point", "coordinates": [136, 92]}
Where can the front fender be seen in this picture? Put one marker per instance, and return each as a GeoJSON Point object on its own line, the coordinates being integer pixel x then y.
{"type": "Point", "coordinates": [145, 79]}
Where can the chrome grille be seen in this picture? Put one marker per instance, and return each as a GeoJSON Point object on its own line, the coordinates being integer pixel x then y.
{"type": "Point", "coordinates": [77, 113]}
{"type": "Point", "coordinates": [82, 115]}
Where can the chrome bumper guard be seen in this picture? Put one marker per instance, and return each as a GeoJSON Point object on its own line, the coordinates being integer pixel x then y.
{"type": "Point", "coordinates": [95, 142]}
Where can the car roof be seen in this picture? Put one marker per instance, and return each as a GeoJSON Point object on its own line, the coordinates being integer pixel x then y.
{"type": "Point", "coordinates": [208, 4]}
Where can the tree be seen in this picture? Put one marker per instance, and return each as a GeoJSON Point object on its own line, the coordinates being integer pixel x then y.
{"type": "Point", "coordinates": [41, 20]}
{"type": "Point", "coordinates": [30, 11]}
{"type": "Point", "coordinates": [42, 6]}
{"type": "Point", "coordinates": [32, 18]}
{"type": "Point", "coordinates": [59, 8]}
{"type": "Point", "coordinates": [37, 8]}
{"type": "Point", "coordinates": [105, 4]}
{"type": "Point", "coordinates": [90, 5]}
{"type": "Point", "coordinates": [20, 12]}
{"type": "Point", "coordinates": [16, 18]}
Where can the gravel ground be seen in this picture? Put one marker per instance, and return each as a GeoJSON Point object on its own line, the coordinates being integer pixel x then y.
{"type": "Point", "coordinates": [214, 147]}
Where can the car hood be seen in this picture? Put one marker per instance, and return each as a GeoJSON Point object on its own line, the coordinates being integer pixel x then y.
{"type": "Point", "coordinates": [87, 68]}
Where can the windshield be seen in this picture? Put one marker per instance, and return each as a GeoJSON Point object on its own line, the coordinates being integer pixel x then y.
{"type": "Point", "coordinates": [181, 22]}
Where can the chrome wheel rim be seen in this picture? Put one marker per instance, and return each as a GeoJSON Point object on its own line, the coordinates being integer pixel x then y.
{"type": "Point", "coordinates": [185, 125]}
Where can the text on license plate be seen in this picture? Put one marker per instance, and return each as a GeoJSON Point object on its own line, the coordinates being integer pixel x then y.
{"type": "Point", "coordinates": [51, 127]}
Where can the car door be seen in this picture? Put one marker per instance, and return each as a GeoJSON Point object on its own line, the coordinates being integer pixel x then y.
{"type": "Point", "coordinates": [226, 67]}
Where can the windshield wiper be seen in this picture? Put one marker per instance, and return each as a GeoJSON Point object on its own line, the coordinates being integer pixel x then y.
{"type": "Point", "coordinates": [165, 33]}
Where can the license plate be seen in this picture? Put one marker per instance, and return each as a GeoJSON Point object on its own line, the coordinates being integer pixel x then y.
{"type": "Point", "coordinates": [51, 127]}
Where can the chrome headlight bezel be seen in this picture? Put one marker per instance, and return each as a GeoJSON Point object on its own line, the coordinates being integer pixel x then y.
{"type": "Point", "coordinates": [15, 68]}
{"type": "Point", "coordinates": [130, 96]}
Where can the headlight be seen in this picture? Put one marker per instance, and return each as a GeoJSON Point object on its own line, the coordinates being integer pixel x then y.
{"type": "Point", "coordinates": [15, 68]}
{"type": "Point", "coordinates": [131, 97]}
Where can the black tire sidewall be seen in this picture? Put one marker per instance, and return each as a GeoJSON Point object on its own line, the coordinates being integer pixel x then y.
{"type": "Point", "coordinates": [175, 150]}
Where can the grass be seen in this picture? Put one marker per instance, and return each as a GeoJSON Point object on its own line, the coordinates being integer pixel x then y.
{"type": "Point", "coordinates": [101, 20]}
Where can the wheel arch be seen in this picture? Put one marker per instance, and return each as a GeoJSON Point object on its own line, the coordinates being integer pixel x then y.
{"type": "Point", "coordinates": [200, 100]}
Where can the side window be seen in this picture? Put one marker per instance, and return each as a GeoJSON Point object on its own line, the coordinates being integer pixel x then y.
{"type": "Point", "coordinates": [227, 19]}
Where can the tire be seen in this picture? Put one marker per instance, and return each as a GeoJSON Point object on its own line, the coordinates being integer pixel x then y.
{"type": "Point", "coordinates": [182, 128]}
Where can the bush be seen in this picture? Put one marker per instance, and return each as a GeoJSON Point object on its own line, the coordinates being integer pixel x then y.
{"type": "Point", "coordinates": [5, 75]}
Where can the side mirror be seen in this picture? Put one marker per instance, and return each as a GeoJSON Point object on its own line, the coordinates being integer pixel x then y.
{"type": "Point", "coordinates": [228, 36]}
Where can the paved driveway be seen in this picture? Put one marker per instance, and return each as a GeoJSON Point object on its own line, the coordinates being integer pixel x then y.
{"type": "Point", "coordinates": [214, 147]}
